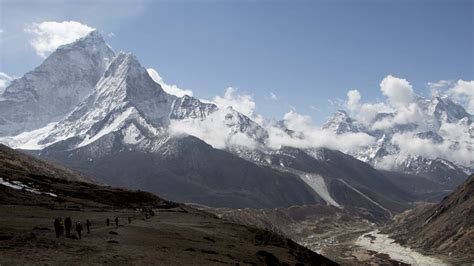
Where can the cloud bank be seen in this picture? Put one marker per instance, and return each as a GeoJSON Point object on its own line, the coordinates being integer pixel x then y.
{"type": "Point", "coordinates": [170, 89]}
{"type": "Point", "coordinates": [400, 108]}
{"type": "Point", "coordinates": [463, 92]}
{"type": "Point", "coordinates": [49, 35]}
{"type": "Point", "coordinates": [403, 115]}
{"type": "Point", "coordinates": [243, 103]}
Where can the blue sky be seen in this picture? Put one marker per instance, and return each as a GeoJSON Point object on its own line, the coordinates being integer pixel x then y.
{"type": "Point", "coordinates": [305, 52]}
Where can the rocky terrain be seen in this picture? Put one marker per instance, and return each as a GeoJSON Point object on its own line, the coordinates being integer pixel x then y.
{"type": "Point", "coordinates": [347, 236]}
{"type": "Point", "coordinates": [445, 228]}
{"type": "Point", "coordinates": [29, 202]}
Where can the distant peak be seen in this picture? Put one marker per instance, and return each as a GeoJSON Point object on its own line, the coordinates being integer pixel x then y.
{"type": "Point", "coordinates": [340, 113]}
{"type": "Point", "coordinates": [92, 39]}
{"type": "Point", "coordinates": [94, 34]}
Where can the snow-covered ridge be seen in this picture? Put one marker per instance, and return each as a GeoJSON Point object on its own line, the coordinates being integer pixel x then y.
{"type": "Point", "coordinates": [49, 92]}
{"type": "Point", "coordinates": [442, 139]}
{"type": "Point", "coordinates": [128, 101]}
{"type": "Point", "coordinates": [26, 187]}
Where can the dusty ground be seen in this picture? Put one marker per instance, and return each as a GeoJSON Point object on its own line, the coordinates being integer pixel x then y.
{"type": "Point", "coordinates": [178, 235]}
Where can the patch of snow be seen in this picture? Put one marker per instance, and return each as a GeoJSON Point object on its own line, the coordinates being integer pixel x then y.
{"type": "Point", "coordinates": [20, 186]}
{"type": "Point", "coordinates": [317, 183]}
{"type": "Point", "coordinates": [28, 140]}
{"type": "Point", "coordinates": [384, 244]}
{"type": "Point", "coordinates": [366, 197]}
{"type": "Point", "coordinates": [132, 135]}
{"type": "Point", "coordinates": [114, 125]}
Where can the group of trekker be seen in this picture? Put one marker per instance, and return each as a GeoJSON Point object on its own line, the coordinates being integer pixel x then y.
{"type": "Point", "coordinates": [148, 212]}
{"type": "Point", "coordinates": [116, 220]}
{"type": "Point", "coordinates": [60, 227]}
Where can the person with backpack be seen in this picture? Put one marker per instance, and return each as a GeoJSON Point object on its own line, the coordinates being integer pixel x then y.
{"type": "Point", "coordinates": [68, 225]}
{"type": "Point", "coordinates": [88, 225]}
{"type": "Point", "coordinates": [56, 227]}
{"type": "Point", "coordinates": [79, 229]}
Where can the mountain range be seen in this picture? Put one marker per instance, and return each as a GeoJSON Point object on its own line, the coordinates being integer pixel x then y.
{"type": "Point", "coordinates": [100, 113]}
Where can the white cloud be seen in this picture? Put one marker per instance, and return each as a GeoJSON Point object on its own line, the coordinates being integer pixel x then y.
{"type": "Point", "coordinates": [306, 135]}
{"type": "Point", "coordinates": [171, 89]}
{"type": "Point", "coordinates": [365, 113]}
{"type": "Point", "coordinates": [450, 149]}
{"type": "Point", "coordinates": [213, 130]}
{"type": "Point", "coordinates": [402, 108]}
{"type": "Point", "coordinates": [49, 35]}
{"type": "Point", "coordinates": [398, 91]}
{"type": "Point", "coordinates": [242, 103]}
{"type": "Point", "coordinates": [353, 99]}
{"type": "Point", "coordinates": [438, 87]}
{"type": "Point", "coordinates": [463, 92]}
{"type": "Point", "coordinates": [273, 96]}
{"type": "Point", "coordinates": [407, 114]}
{"type": "Point", "coordinates": [4, 81]}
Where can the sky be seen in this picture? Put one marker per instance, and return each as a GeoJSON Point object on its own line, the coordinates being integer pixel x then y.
{"type": "Point", "coordinates": [285, 55]}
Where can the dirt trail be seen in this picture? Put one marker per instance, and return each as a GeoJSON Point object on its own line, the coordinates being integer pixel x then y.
{"type": "Point", "coordinates": [172, 236]}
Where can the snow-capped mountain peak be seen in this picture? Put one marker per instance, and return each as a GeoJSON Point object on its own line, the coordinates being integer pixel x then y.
{"type": "Point", "coordinates": [340, 122]}
{"type": "Point", "coordinates": [445, 126]}
{"type": "Point", "coordinates": [54, 88]}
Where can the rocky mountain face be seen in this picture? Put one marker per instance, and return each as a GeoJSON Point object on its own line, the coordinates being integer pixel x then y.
{"type": "Point", "coordinates": [16, 164]}
{"type": "Point", "coordinates": [446, 228]}
{"type": "Point", "coordinates": [186, 170]}
{"type": "Point", "coordinates": [442, 117]}
{"type": "Point", "coordinates": [343, 181]}
{"type": "Point", "coordinates": [340, 122]}
{"type": "Point", "coordinates": [53, 89]}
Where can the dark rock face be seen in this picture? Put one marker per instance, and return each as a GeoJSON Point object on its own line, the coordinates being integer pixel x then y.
{"type": "Point", "coordinates": [189, 170]}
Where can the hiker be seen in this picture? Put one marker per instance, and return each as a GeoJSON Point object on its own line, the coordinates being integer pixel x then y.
{"type": "Point", "coordinates": [61, 226]}
{"type": "Point", "coordinates": [108, 221]}
{"type": "Point", "coordinates": [129, 220]}
{"type": "Point", "coordinates": [88, 225]}
{"type": "Point", "coordinates": [68, 225]}
{"type": "Point", "coordinates": [56, 227]}
{"type": "Point", "coordinates": [116, 221]}
{"type": "Point", "coordinates": [78, 229]}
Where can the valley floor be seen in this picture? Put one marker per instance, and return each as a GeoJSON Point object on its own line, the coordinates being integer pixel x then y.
{"type": "Point", "coordinates": [382, 243]}
{"type": "Point", "coordinates": [181, 235]}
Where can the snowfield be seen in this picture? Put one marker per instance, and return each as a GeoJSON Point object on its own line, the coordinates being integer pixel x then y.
{"type": "Point", "coordinates": [317, 183]}
{"type": "Point", "coordinates": [20, 186]}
